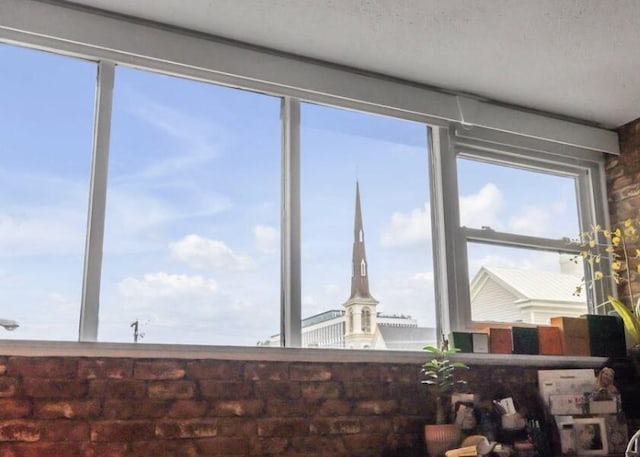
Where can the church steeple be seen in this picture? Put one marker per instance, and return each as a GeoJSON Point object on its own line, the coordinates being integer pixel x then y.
{"type": "Point", "coordinates": [360, 309]}
{"type": "Point", "coordinates": [359, 270]}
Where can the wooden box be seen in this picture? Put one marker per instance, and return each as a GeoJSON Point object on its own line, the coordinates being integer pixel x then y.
{"type": "Point", "coordinates": [606, 336]}
{"type": "Point", "coordinates": [549, 340]}
{"type": "Point", "coordinates": [470, 341]}
{"type": "Point", "coordinates": [500, 341]}
{"type": "Point", "coordinates": [462, 341]}
{"type": "Point", "coordinates": [574, 333]}
{"type": "Point", "coordinates": [525, 340]}
{"type": "Point", "coordinates": [480, 342]}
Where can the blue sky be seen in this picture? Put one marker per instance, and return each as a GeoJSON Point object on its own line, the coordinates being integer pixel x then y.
{"type": "Point", "coordinates": [193, 223]}
{"type": "Point", "coordinates": [45, 148]}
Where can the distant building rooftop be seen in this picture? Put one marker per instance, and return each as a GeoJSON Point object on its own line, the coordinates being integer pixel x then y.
{"type": "Point", "coordinates": [412, 338]}
{"type": "Point", "coordinates": [534, 285]}
{"type": "Point", "coordinates": [322, 317]}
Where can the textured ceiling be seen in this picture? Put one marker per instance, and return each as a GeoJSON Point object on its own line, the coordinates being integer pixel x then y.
{"type": "Point", "coordinates": [578, 59]}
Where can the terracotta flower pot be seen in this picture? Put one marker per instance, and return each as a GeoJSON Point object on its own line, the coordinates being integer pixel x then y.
{"type": "Point", "coordinates": [441, 438]}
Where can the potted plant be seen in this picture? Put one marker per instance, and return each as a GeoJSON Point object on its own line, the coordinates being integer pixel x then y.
{"type": "Point", "coordinates": [439, 373]}
{"type": "Point", "coordinates": [631, 319]}
{"type": "Point", "coordinates": [615, 254]}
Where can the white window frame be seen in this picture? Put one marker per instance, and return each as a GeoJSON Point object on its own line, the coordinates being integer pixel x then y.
{"type": "Point", "coordinates": [583, 165]}
{"type": "Point", "coordinates": [456, 123]}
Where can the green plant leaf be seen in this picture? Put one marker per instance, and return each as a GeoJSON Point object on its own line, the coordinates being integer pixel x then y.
{"type": "Point", "coordinates": [431, 365]}
{"type": "Point", "coordinates": [631, 322]}
{"type": "Point", "coordinates": [433, 350]}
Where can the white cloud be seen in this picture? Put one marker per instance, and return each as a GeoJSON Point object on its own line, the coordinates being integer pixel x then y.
{"type": "Point", "coordinates": [203, 254]}
{"type": "Point", "coordinates": [532, 221]}
{"type": "Point", "coordinates": [188, 309]}
{"type": "Point", "coordinates": [136, 217]}
{"type": "Point", "coordinates": [157, 289]}
{"type": "Point", "coordinates": [266, 238]}
{"type": "Point", "coordinates": [545, 221]}
{"type": "Point", "coordinates": [406, 229]}
{"type": "Point", "coordinates": [483, 208]}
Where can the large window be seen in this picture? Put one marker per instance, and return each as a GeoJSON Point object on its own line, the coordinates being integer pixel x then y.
{"type": "Point", "coordinates": [46, 119]}
{"type": "Point", "coordinates": [192, 234]}
{"type": "Point", "coordinates": [518, 215]}
{"type": "Point", "coordinates": [366, 242]}
{"type": "Point", "coordinates": [292, 212]}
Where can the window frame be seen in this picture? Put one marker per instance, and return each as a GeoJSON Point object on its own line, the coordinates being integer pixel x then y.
{"type": "Point", "coordinates": [497, 148]}
{"type": "Point", "coordinates": [455, 123]}
{"type": "Point", "coordinates": [92, 275]}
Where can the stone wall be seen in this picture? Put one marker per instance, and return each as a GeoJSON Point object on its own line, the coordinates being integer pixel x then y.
{"type": "Point", "coordinates": [116, 407]}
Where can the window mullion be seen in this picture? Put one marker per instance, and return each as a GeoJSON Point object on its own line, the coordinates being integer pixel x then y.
{"type": "Point", "coordinates": [290, 316]}
{"type": "Point", "coordinates": [90, 305]}
{"type": "Point", "coordinates": [445, 223]}
{"type": "Point", "coordinates": [490, 236]}
{"type": "Point", "coordinates": [593, 209]}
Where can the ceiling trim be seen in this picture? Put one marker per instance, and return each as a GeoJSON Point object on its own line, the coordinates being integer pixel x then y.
{"type": "Point", "coordinates": [97, 36]}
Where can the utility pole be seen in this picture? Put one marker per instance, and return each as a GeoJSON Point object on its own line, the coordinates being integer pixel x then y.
{"type": "Point", "coordinates": [136, 333]}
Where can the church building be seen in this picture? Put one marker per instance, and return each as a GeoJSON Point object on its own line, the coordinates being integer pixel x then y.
{"type": "Point", "coordinates": [359, 325]}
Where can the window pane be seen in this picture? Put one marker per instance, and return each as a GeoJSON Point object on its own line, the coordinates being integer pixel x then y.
{"type": "Point", "coordinates": [193, 210]}
{"type": "Point", "coordinates": [46, 127]}
{"type": "Point", "coordinates": [523, 285]}
{"type": "Point", "coordinates": [367, 272]}
{"type": "Point", "coordinates": [513, 200]}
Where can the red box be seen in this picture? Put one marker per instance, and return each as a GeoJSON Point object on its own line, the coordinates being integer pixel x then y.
{"type": "Point", "coordinates": [500, 341]}
{"type": "Point", "coordinates": [550, 341]}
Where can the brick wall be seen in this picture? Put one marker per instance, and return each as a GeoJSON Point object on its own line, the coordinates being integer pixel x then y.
{"type": "Point", "coordinates": [623, 190]}
{"type": "Point", "coordinates": [623, 184]}
{"type": "Point", "coordinates": [115, 407]}
{"type": "Point", "coordinates": [128, 407]}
